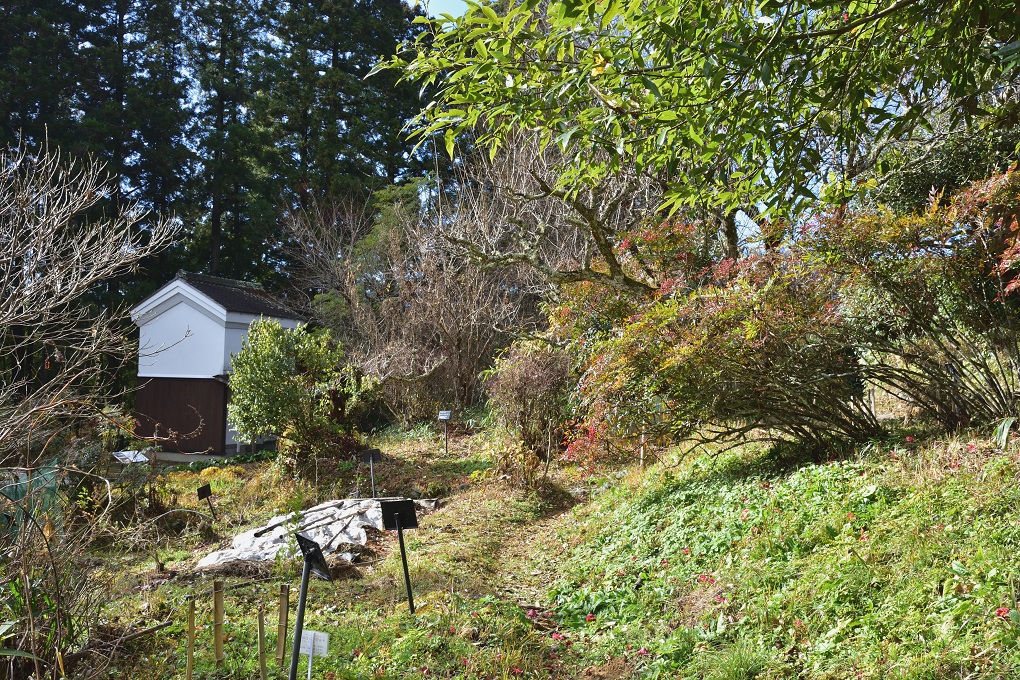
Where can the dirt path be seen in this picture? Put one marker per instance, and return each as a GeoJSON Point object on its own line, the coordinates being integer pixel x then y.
{"type": "Point", "coordinates": [530, 557]}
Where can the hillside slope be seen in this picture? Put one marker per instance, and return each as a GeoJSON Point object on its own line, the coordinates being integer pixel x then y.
{"type": "Point", "coordinates": [903, 563]}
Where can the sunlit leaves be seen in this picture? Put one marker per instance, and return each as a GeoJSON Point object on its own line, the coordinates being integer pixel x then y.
{"type": "Point", "coordinates": [697, 90]}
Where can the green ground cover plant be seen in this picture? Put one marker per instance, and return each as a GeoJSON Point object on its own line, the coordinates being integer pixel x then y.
{"type": "Point", "coordinates": [898, 563]}
{"type": "Point", "coordinates": [895, 561]}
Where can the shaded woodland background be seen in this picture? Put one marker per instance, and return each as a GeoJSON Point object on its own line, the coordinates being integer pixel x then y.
{"type": "Point", "coordinates": [229, 114]}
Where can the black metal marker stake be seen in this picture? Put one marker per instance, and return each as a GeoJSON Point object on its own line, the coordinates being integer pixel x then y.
{"type": "Point", "coordinates": [299, 624]}
{"type": "Point", "coordinates": [370, 456]}
{"type": "Point", "coordinates": [403, 558]}
{"type": "Point", "coordinates": [313, 562]}
{"type": "Point", "coordinates": [371, 472]}
{"type": "Point", "coordinates": [400, 515]}
{"type": "Point", "coordinates": [205, 492]}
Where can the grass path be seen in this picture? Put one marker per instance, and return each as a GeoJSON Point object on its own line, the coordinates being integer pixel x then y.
{"type": "Point", "coordinates": [528, 562]}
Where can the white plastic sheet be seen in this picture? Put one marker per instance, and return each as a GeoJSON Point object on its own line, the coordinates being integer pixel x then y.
{"type": "Point", "coordinates": [331, 525]}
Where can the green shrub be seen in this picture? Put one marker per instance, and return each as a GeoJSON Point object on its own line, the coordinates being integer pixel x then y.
{"type": "Point", "coordinates": [296, 384]}
{"type": "Point", "coordinates": [929, 299]}
{"type": "Point", "coordinates": [781, 344]}
{"type": "Point", "coordinates": [757, 347]}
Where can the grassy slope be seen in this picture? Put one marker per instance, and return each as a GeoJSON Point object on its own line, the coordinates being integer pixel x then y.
{"type": "Point", "coordinates": [752, 565]}
{"type": "Point", "coordinates": [749, 564]}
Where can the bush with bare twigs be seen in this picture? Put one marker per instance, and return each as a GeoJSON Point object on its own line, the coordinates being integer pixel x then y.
{"type": "Point", "coordinates": [528, 388]}
{"type": "Point", "coordinates": [404, 302]}
{"type": "Point", "coordinates": [58, 354]}
{"type": "Point", "coordinates": [58, 358]}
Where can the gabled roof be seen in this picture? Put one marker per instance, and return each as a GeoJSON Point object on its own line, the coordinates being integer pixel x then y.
{"type": "Point", "coordinates": [238, 296]}
{"type": "Point", "coordinates": [219, 299]}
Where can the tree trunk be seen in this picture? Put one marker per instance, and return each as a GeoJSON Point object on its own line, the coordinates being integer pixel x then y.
{"type": "Point", "coordinates": [216, 219]}
{"type": "Point", "coordinates": [728, 234]}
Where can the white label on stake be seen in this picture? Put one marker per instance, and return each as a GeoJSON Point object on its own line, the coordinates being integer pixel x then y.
{"type": "Point", "coordinates": [444, 415]}
{"type": "Point", "coordinates": [315, 643]}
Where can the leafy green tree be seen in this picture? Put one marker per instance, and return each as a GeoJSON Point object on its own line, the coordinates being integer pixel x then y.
{"type": "Point", "coordinates": [296, 384]}
{"type": "Point", "coordinates": [729, 103]}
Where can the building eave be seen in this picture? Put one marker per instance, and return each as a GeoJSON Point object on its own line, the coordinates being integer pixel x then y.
{"type": "Point", "coordinates": [172, 294]}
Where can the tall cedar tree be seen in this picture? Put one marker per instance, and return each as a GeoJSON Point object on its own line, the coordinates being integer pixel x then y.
{"type": "Point", "coordinates": [225, 112]}
{"type": "Point", "coordinates": [103, 78]}
{"type": "Point", "coordinates": [229, 45]}
{"type": "Point", "coordinates": [41, 45]}
{"type": "Point", "coordinates": [341, 132]}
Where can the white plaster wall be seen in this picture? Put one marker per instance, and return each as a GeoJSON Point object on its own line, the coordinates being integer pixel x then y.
{"type": "Point", "coordinates": [165, 352]}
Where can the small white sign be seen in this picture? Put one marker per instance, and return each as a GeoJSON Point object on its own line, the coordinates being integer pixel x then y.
{"type": "Point", "coordinates": [127, 457]}
{"type": "Point", "coordinates": [444, 415]}
{"type": "Point", "coordinates": [314, 643]}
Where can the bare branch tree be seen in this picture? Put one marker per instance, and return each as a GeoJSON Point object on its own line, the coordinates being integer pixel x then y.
{"type": "Point", "coordinates": [57, 354]}
{"type": "Point", "coordinates": [510, 212]}
{"type": "Point", "coordinates": [406, 304]}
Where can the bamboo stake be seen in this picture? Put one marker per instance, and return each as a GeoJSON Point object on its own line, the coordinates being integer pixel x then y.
{"type": "Point", "coordinates": [263, 674]}
{"type": "Point", "coordinates": [281, 630]}
{"type": "Point", "coordinates": [191, 638]}
{"type": "Point", "coordinates": [218, 622]}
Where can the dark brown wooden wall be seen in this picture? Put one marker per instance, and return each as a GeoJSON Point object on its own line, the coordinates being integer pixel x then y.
{"type": "Point", "coordinates": [194, 408]}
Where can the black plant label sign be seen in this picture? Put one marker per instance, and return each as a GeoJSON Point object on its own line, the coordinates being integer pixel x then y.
{"type": "Point", "coordinates": [404, 508]}
{"type": "Point", "coordinates": [313, 553]}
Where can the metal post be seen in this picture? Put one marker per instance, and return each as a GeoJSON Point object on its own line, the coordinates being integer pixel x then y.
{"type": "Point", "coordinates": [211, 509]}
{"type": "Point", "coordinates": [403, 558]}
{"type": "Point", "coordinates": [299, 622]}
{"type": "Point", "coordinates": [371, 471]}
{"type": "Point", "coordinates": [446, 433]}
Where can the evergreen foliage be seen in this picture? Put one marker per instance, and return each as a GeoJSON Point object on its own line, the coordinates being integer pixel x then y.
{"type": "Point", "coordinates": [224, 112]}
{"type": "Point", "coordinates": [297, 385]}
{"type": "Point", "coordinates": [730, 103]}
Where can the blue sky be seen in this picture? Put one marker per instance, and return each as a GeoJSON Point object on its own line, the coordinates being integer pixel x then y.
{"type": "Point", "coordinates": [454, 7]}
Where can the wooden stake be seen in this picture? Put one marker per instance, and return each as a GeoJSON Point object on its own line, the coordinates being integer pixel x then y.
{"type": "Point", "coordinates": [191, 638]}
{"type": "Point", "coordinates": [263, 674]}
{"type": "Point", "coordinates": [281, 629]}
{"type": "Point", "coordinates": [218, 622]}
